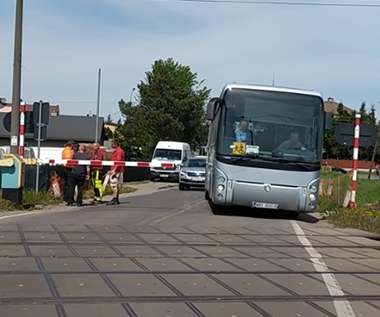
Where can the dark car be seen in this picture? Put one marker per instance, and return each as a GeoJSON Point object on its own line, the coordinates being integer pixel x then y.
{"type": "Point", "coordinates": [193, 173]}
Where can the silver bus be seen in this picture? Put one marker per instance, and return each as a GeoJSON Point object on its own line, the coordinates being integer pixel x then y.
{"type": "Point", "coordinates": [265, 147]}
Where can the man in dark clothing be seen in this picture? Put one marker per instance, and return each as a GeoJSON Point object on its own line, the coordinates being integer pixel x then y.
{"type": "Point", "coordinates": [79, 174]}
{"type": "Point", "coordinates": [67, 154]}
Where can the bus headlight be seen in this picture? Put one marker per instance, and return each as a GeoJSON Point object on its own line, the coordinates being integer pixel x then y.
{"type": "Point", "coordinates": [221, 179]}
{"type": "Point", "coordinates": [219, 196]}
{"type": "Point", "coordinates": [220, 188]}
{"type": "Point", "coordinates": [312, 197]}
{"type": "Point", "coordinates": [313, 189]}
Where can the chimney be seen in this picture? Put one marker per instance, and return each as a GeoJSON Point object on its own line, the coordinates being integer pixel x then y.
{"type": "Point", "coordinates": [330, 99]}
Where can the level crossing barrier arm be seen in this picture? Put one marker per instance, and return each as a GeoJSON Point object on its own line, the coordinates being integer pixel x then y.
{"type": "Point", "coordinates": [104, 163]}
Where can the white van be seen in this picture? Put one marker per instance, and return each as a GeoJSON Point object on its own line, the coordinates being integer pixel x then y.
{"type": "Point", "coordinates": [169, 152]}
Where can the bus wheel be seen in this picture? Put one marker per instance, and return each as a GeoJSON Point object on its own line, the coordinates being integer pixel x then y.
{"type": "Point", "coordinates": [217, 209]}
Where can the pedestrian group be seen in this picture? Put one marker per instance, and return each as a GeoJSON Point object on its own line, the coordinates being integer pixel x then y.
{"type": "Point", "coordinates": [76, 175]}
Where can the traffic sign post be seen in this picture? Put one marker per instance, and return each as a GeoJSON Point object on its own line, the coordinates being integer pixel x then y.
{"type": "Point", "coordinates": [355, 134]}
{"type": "Point", "coordinates": [40, 120]}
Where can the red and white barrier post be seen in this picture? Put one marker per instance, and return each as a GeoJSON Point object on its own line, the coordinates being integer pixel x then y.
{"type": "Point", "coordinates": [352, 204]}
{"type": "Point", "coordinates": [21, 148]}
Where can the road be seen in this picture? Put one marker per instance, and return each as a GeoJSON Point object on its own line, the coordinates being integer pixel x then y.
{"type": "Point", "coordinates": [164, 254]}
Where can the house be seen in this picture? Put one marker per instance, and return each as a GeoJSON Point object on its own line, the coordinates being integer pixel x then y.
{"type": "Point", "coordinates": [7, 107]}
{"type": "Point", "coordinates": [61, 128]}
{"type": "Point", "coordinates": [332, 107]}
{"type": "Point", "coordinates": [111, 126]}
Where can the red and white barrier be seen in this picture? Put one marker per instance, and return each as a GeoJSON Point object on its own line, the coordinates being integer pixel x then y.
{"type": "Point", "coordinates": [21, 149]}
{"type": "Point", "coordinates": [352, 204]}
{"type": "Point", "coordinates": [105, 163]}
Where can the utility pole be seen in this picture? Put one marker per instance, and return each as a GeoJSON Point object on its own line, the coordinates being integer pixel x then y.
{"type": "Point", "coordinates": [97, 109]}
{"type": "Point", "coordinates": [16, 92]}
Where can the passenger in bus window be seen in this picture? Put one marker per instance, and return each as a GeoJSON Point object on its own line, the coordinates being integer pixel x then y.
{"type": "Point", "coordinates": [292, 143]}
{"type": "Point", "coordinates": [243, 134]}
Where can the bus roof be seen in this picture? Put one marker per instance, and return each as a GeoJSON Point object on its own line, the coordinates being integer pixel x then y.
{"type": "Point", "coordinates": [271, 88]}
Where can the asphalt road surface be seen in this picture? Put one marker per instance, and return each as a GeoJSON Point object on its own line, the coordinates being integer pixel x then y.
{"type": "Point", "coordinates": [165, 254]}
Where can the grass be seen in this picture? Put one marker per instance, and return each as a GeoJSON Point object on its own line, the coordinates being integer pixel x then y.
{"type": "Point", "coordinates": [35, 201]}
{"type": "Point", "coordinates": [366, 215]}
{"type": "Point", "coordinates": [30, 200]}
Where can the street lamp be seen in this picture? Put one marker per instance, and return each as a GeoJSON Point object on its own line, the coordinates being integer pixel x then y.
{"type": "Point", "coordinates": [130, 98]}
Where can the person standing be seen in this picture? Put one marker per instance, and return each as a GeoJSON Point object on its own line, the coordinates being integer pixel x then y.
{"type": "Point", "coordinates": [79, 174]}
{"type": "Point", "coordinates": [96, 174]}
{"type": "Point", "coordinates": [116, 172]}
{"type": "Point", "coordinates": [67, 154]}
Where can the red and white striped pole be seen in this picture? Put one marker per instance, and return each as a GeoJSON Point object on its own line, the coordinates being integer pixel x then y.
{"type": "Point", "coordinates": [352, 204]}
{"type": "Point", "coordinates": [21, 148]}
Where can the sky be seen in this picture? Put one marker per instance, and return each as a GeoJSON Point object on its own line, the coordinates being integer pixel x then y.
{"type": "Point", "coordinates": [328, 47]}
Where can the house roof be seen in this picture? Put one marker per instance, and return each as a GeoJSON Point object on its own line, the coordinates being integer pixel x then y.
{"type": "Point", "coordinates": [7, 107]}
{"type": "Point", "coordinates": [62, 127]}
{"type": "Point", "coordinates": [332, 107]}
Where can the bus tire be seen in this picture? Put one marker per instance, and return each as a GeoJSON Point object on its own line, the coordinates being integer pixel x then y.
{"type": "Point", "coordinates": [217, 209]}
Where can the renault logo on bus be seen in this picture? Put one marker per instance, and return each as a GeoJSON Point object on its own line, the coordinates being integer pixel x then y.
{"type": "Point", "coordinates": [267, 187]}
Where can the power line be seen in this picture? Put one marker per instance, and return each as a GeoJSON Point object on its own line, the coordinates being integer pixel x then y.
{"type": "Point", "coordinates": [287, 3]}
{"type": "Point", "coordinates": [76, 102]}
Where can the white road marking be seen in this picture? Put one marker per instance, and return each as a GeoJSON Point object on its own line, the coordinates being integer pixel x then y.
{"type": "Point", "coordinates": [21, 214]}
{"type": "Point", "coordinates": [164, 215]}
{"type": "Point", "coordinates": [342, 307]}
{"type": "Point", "coordinates": [180, 211]}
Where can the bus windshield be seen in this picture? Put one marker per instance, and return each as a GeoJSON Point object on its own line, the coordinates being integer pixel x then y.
{"type": "Point", "coordinates": [271, 125]}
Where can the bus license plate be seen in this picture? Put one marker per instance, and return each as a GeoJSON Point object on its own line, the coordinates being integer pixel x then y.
{"type": "Point", "coordinates": [256, 204]}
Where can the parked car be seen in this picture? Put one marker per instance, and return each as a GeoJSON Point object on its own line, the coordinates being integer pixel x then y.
{"type": "Point", "coordinates": [192, 172]}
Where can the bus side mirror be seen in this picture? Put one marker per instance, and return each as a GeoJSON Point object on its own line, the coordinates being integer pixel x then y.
{"type": "Point", "coordinates": [212, 108]}
{"type": "Point", "coordinates": [327, 121]}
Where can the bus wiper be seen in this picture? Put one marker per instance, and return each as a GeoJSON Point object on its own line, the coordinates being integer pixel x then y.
{"type": "Point", "coordinates": [236, 159]}
{"type": "Point", "coordinates": [307, 166]}
{"type": "Point", "coordinates": [252, 157]}
{"type": "Point", "coordinates": [304, 165]}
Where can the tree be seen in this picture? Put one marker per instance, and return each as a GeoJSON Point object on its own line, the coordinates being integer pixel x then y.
{"type": "Point", "coordinates": [336, 150]}
{"type": "Point", "coordinates": [170, 107]}
{"type": "Point", "coordinates": [109, 119]}
{"type": "Point", "coordinates": [108, 133]}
